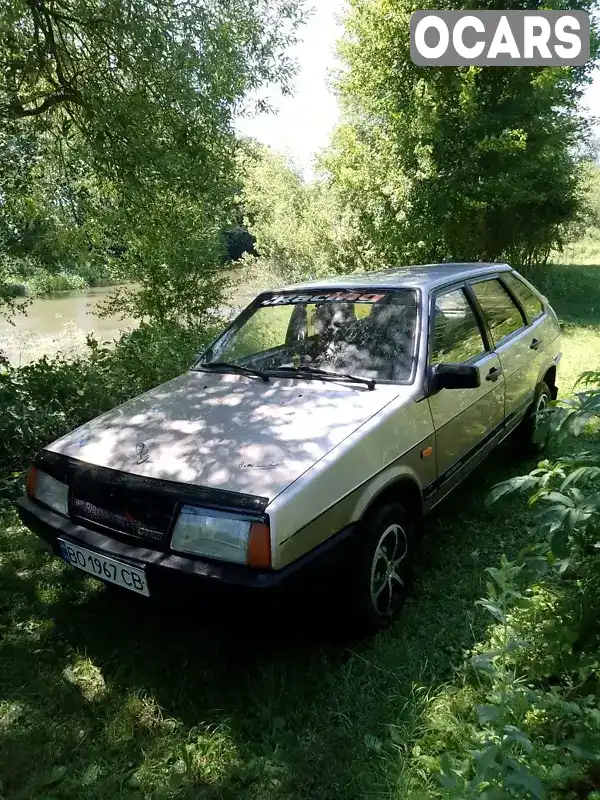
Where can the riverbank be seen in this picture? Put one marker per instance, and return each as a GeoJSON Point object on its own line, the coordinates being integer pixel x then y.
{"type": "Point", "coordinates": [59, 323]}
{"type": "Point", "coordinates": [47, 283]}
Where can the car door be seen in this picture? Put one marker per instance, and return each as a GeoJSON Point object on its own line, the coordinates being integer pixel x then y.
{"type": "Point", "coordinates": [514, 341]}
{"type": "Point", "coordinates": [463, 418]}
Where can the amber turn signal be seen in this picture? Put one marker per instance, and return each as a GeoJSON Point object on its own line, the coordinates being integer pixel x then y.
{"type": "Point", "coordinates": [259, 546]}
{"type": "Point", "coordinates": [31, 482]}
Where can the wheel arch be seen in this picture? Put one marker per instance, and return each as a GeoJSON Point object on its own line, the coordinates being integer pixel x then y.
{"type": "Point", "coordinates": [550, 380]}
{"type": "Point", "coordinates": [402, 485]}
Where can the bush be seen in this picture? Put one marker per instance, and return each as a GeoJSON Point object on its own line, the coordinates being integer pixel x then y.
{"type": "Point", "coordinates": [45, 399]}
{"type": "Point", "coordinates": [534, 730]}
{"type": "Point", "coordinates": [43, 282]}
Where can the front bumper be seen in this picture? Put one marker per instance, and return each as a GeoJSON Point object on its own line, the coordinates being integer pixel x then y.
{"type": "Point", "coordinates": [170, 571]}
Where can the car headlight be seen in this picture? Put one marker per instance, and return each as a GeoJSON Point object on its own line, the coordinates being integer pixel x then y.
{"type": "Point", "coordinates": [47, 490]}
{"type": "Point", "coordinates": [203, 532]}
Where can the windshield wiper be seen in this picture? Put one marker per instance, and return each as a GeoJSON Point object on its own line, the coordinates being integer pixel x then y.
{"type": "Point", "coordinates": [309, 371]}
{"type": "Point", "coordinates": [224, 366]}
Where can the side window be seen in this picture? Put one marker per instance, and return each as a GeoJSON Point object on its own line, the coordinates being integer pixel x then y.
{"type": "Point", "coordinates": [456, 333]}
{"type": "Point", "coordinates": [502, 315]}
{"type": "Point", "coordinates": [532, 304]}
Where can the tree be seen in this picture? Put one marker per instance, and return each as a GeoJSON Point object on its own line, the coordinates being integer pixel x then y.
{"type": "Point", "coordinates": [141, 98]}
{"type": "Point", "coordinates": [453, 163]}
{"type": "Point", "coordinates": [300, 227]}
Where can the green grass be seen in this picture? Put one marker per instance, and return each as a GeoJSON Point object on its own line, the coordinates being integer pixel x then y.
{"type": "Point", "coordinates": [103, 697]}
{"type": "Point", "coordinates": [584, 251]}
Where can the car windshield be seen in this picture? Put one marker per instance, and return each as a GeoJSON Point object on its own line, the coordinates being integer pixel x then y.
{"type": "Point", "coordinates": [364, 334]}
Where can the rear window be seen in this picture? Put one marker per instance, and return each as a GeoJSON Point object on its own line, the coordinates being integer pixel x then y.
{"type": "Point", "coordinates": [531, 304]}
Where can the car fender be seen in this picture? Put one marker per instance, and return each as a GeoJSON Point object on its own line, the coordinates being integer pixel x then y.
{"type": "Point", "coordinates": [381, 483]}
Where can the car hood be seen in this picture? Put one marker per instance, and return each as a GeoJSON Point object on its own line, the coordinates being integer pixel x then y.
{"type": "Point", "coordinates": [227, 431]}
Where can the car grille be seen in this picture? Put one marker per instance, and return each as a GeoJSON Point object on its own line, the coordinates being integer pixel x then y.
{"type": "Point", "coordinates": [146, 518]}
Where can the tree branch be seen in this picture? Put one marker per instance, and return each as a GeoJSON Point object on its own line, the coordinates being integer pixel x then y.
{"type": "Point", "coordinates": [18, 111]}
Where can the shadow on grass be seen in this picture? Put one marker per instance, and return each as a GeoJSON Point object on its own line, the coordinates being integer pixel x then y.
{"type": "Point", "coordinates": [105, 695]}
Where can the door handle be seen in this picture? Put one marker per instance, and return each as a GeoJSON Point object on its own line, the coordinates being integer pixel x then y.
{"type": "Point", "coordinates": [535, 344]}
{"type": "Point", "coordinates": [494, 374]}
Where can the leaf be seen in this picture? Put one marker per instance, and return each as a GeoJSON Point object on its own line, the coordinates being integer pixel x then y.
{"type": "Point", "coordinates": [522, 778]}
{"type": "Point", "coordinates": [446, 763]}
{"type": "Point", "coordinates": [494, 793]}
{"type": "Point", "coordinates": [583, 747]}
{"type": "Point", "coordinates": [372, 742]}
{"type": "Point", "coordinates": [483, 663]}
{"type": "Point", "coordinates": [55, 775]}
{"type": "Point", "coordinates": [578, 474]}
{"type": "Point", "coordinates": [593, 501]}
{"type": "Point", "coordinates": [516, 736]}
{"type": "Point", "coordinates": [507, 487]}
{"type": "Point", "coordinates": [562, 565]}
{"type": "Point", "coordinates": [448, 777]}
{"type": "Point", "coordinates": [559, 544]}
{"type": "Point", "coordinates": [493, 609]}
{"type": "Point", "coordinates": [486, 758]}
{"type": "Point", "coordinates": [551, 519]}
{"type": "Point", "coordinates": [488, 714]}
{"type": "Point", "coordinates": [558, 497]}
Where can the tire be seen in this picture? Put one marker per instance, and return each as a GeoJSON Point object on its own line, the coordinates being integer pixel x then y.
{"type": "Point", "coordinates": [525, 435]}
{"type": "Point", "coordinates": [378, 589]}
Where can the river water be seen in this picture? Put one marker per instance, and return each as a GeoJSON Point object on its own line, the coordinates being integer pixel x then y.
{"type": "Point", "coordinates": [59, 323]}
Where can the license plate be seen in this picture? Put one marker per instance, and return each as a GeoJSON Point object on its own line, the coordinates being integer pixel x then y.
{"type": "Point", "coordinates": [108, 569]}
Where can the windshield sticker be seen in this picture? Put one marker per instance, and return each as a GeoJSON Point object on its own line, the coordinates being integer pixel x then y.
{"type": "Point", "coordinates": [329, 297]}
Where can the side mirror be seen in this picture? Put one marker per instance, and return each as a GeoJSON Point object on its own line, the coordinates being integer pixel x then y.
{"type": "Point", "coordinates": [455, 376]}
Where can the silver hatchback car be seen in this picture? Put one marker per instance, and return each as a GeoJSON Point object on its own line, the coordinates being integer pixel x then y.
{"type": "Point", "coordinates": [311, 436]}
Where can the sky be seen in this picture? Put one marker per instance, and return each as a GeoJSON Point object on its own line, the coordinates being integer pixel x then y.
{"type": "Point", "coordinates": [304, 122]}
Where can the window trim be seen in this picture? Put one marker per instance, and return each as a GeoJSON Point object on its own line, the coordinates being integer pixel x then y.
{"type": "Point", "coordinates": [483, 331]}
{"type": "Point", "coordinates": [518, 331]}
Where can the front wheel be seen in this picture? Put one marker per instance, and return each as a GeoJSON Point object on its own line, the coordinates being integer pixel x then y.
{"type": "Point", "coordinates": [527, 436]}
{"type": "Point", "coordinates": [383, 570]}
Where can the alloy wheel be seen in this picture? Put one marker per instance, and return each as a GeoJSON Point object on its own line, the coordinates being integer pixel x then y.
{"type": "Point", "coordinates": [388, 575]}
{"type": "Point", "coordinates": [540, 407]}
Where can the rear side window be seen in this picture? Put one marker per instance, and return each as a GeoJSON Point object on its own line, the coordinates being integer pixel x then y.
{"type": "Point", "coordinates": [456, 333]}
{"type": "Point", "coordinates": [501, 314]}
{"type": "Point", "coordinates": [531, 304]}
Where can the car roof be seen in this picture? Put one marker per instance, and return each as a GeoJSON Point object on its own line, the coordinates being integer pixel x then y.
{"type": "Point", "coordinates": [420, 276]}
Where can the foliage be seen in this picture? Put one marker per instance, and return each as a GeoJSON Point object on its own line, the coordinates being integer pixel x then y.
{"type": "Point", "coordinates": [173, 252]}
{"type": "Point", "coordinates": [454, 163]}
{"type": "Point", "coordinates": [168, 71]}
{"type": "Point", "coordinates": [300, 227]}
{"type": "Point", "coordinates": [122, 115]}
{"type": "Point", "coordinates": [583, 246]}
{"type": "Point", "coordinates": [532, 738]}
{"type": "Point", "coordinates": [45, 399]}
